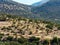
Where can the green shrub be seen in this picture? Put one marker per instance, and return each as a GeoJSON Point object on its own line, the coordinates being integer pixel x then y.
{"type": "Point", "coordinates": [58, 27]}
{"type": "Point", "coordinates": [10, 38]}
{"type": "Point", "coordinates": [49, 26]}
{"type": "Point", "coordinates": [22, 40]}
{"type": "Point", "coordinates": [34, 39]}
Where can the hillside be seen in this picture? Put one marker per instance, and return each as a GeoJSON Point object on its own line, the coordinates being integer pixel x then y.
{"type": "Point", "coordinates": [15, 8]}
{"type": "Point", "coordinates": [49, 10]}
{"type": "Point", "coordinates": [40, 3]}
{"type": "Point", "coordinates": [16, 30]}
{"type": "Point", "coordinates": [22, 24]}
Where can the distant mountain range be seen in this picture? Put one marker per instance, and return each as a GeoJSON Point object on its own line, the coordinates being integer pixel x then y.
{"type": "Point", "coordinates": [48, 9]}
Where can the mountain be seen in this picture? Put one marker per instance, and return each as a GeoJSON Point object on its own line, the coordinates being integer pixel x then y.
{"type": "Point", "coordinates": [40, 3]}
{"type": "Point", "coordinates": [49, 10]}
{"type": "Point", "coordinates": [15, 8]}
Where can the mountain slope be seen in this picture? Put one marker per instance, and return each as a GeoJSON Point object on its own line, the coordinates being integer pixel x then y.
{"type": "Point", "coordinates": [49, 10]}
{"type": "Point", "coordinates": [14, 8]}
{"type": "Point", "coordinates": [40, 3]}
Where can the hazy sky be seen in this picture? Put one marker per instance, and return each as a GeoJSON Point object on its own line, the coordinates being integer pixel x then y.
{"type": "Point", "coordinates": [29, 2]}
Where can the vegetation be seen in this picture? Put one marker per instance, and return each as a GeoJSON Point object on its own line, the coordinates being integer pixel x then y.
{"type": "Point", "coordinates": [49, 26]}
{"type": "Point", "coordinates": [18, 33]}
{"type": "Point", "coordinates": [58, 27]}
{"type": "Point", "coordinates": [16, 30]}
{"type": "Point", "coordinates": [35, 41]}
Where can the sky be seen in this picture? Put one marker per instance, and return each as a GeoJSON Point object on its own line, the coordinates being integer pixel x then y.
{"type": "Point", "coordinates": [28, 2]}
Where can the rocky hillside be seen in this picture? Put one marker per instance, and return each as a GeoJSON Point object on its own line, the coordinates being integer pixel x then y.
{"type": "Point", "coordinates": [14, 8]}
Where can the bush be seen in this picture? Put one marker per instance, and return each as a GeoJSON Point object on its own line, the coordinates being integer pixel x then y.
{"type": "Point", "coordinates": [55, 41]}
{"type": "Point", "coordinates": [46, 42]}
{"type": "Point", "coordinates": [22, 40]}
{"type": "Point", "coordinates": [34, 39]}
{"type": "Point", "coordinates": [1, 35]}
{"type": "Point", "coordinates": [49, 26]}
{"type": "Point", "coordinates": [30, 32]}
{"type": "Point", "coordinates": [10, 38]}
{"type": "Point", "coordinates": [58, 27]}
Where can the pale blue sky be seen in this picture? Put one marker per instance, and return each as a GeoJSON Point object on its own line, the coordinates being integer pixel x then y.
{"type": "Point", "coordinates": [29, 2]}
